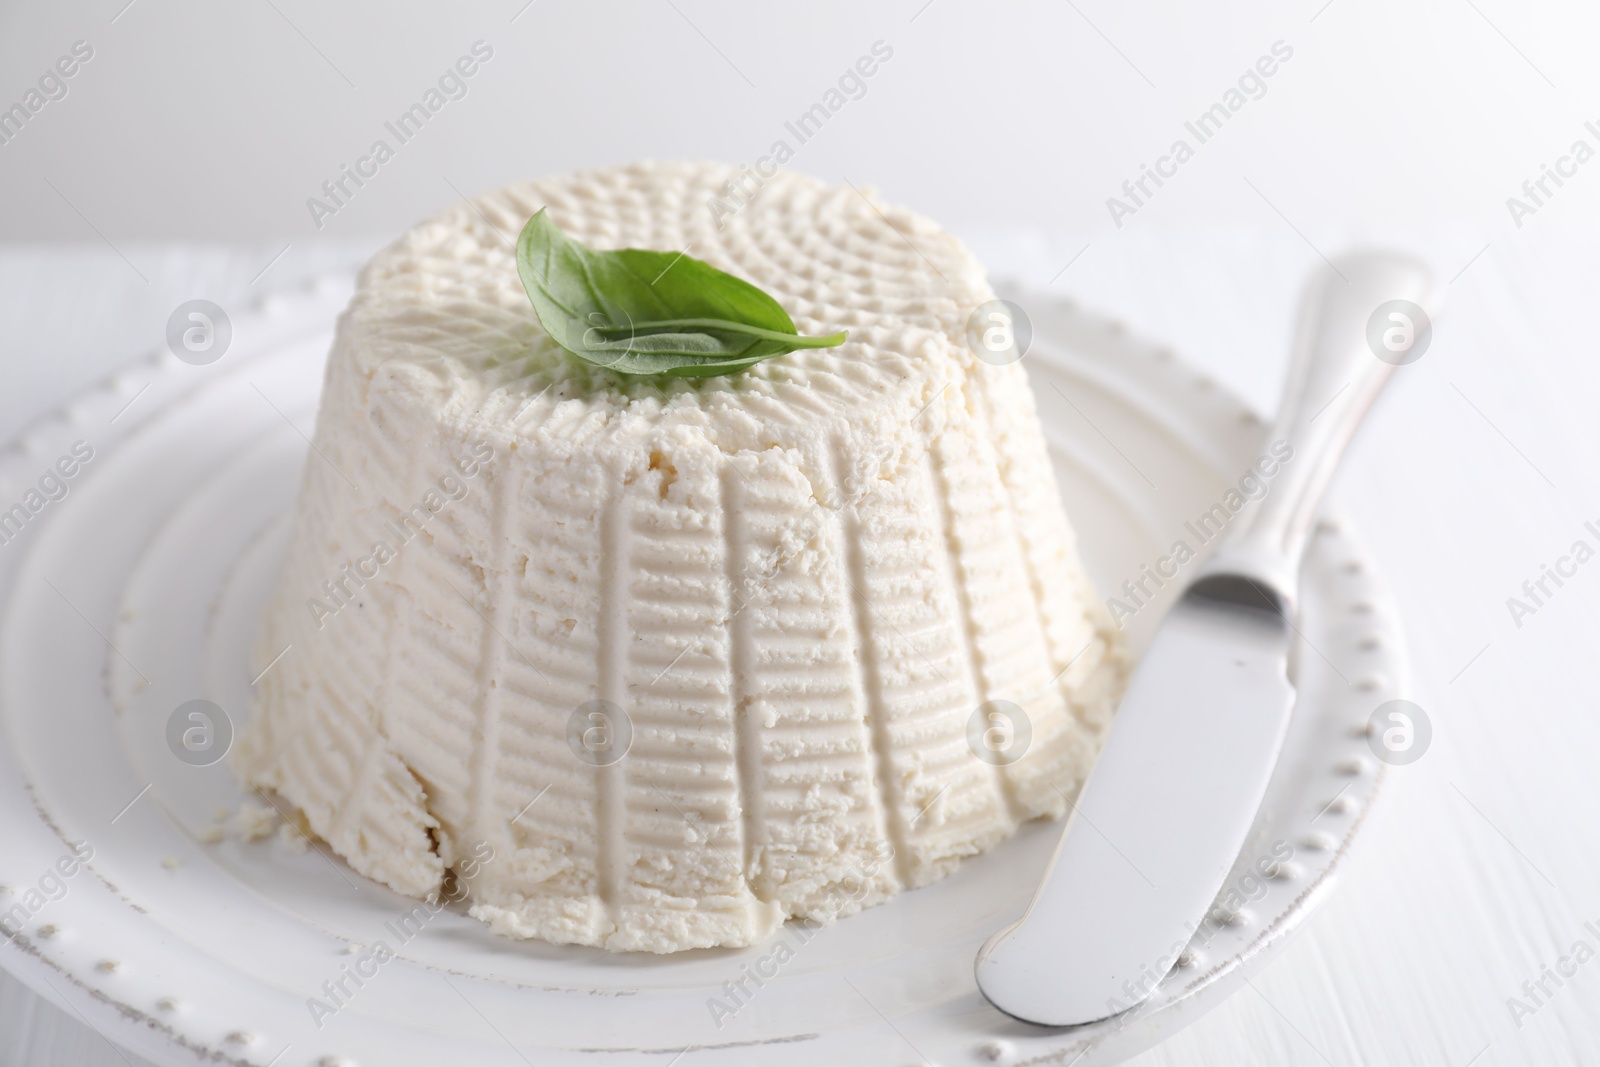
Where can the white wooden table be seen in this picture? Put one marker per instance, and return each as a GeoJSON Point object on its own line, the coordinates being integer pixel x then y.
{"type": "Point", "coordinates": [1483, 865]}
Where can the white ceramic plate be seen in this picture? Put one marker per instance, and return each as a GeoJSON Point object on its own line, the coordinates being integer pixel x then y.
{"type": "Point", "coordinates": [139, 589]}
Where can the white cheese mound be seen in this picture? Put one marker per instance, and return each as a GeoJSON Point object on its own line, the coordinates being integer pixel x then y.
{"type": "Point", "coordinates": [798, 583]}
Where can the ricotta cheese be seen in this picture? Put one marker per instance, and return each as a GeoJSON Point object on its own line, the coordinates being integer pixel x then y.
{"type": "Point", "coordinates": [792, 594]}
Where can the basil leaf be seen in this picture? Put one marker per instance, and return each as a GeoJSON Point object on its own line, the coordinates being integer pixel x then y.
{"type": "Point", "coordinates": [641, 312]}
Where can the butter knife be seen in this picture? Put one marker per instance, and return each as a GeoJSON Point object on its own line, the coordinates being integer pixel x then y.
{"type": "Point", "coordinates": [1171, 799]}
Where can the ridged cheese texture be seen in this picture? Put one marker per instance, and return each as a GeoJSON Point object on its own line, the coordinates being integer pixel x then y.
{"type": "Point", "coordinates": [798, 582]}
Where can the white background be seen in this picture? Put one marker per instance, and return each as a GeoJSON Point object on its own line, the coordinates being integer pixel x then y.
{"type": "Point", "coordinates": [217, 121]}
{"type": "Point", "coordinates": [179, 164]}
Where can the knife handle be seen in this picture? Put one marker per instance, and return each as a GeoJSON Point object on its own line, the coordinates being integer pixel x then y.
{"type": "Point", "coordinates": [1352, 334]}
